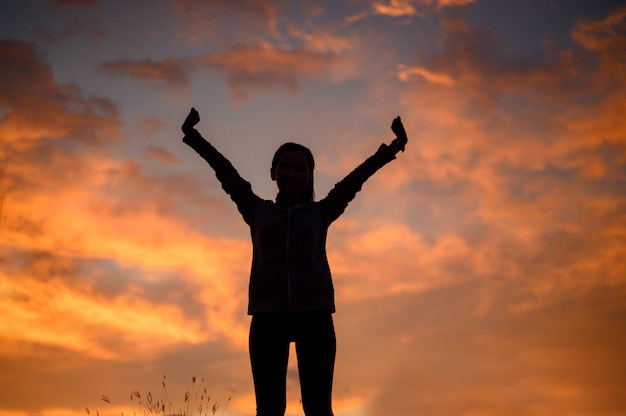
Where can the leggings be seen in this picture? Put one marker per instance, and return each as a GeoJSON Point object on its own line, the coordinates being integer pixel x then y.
{"type": "Point", "coordinates": [314, 336]}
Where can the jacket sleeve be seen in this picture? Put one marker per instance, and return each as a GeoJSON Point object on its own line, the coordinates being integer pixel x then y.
{"type": "Point", "coordinates": [345, 190]}
{"type": "Point", "coordinates": [239, 190]}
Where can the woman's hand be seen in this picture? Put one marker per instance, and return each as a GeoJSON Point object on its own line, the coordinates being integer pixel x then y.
{"type": "Point", "coordinates": [401, 138]}
{"type": "Point", "coordinates": [192, 119]}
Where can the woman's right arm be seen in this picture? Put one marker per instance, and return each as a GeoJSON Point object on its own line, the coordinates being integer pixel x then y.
{"type": "Point", "coordinates": [233, 184]}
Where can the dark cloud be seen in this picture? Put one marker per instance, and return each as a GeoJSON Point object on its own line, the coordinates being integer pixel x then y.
{"type": "Point", "coordinates": [255, 19]}
{"type": "Point", "coordinates": [46, 125]}
{"type": "Point", "coordinates": [480, 64]}
{"type": "Point", "coordinates": [245, 68]}
{"type": "Point", "coordinates": [75, 3]}
{"type": "Point", "coordinates": [248, 68]}
{"type": "Point", "coordinates": [171, 72]}
{"type": "Point", "coordinates": [162, 155]}
{"type": "Point", "coordinates": [264, 9]}
{"type": "Point", "coordinates": [36, 107]}
{"type": "Point", "coordinates": [44, 121]}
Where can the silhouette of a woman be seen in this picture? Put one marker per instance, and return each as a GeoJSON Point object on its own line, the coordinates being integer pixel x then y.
{"type": "Point", "coordinates": [291, 296]}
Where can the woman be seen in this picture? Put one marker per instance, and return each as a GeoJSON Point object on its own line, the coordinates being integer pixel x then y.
{"type": "Point", "coordinates": [291, 296]}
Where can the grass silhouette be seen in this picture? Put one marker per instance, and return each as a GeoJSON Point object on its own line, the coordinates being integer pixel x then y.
{"type": "Point", "coordinates": [197, 402]}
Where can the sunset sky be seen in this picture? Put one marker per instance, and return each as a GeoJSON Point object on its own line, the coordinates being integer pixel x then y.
{"type": "Point", "coordinates": [482, 273]}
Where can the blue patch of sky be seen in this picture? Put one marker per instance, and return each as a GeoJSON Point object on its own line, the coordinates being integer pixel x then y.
{"type": "Point", "coordinates": [450, 214]}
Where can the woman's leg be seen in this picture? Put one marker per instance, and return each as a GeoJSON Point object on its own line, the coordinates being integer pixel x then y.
{"type": "Point", "coordinates": [316, 346]}
{"type": "Point", "coordinates": [269, 354]}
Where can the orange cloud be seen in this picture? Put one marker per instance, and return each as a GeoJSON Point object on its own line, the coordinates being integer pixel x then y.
{"type": "Point", "coordinates": [65, 205]}
{"type": "Point", "coordinates": [404, 74]}
{"type": "Point", "coordinates": [513, 173]}
{"type": "Point", "coordinates": [73, 318]}
{"type": "Point", "coordinates": [404, 8]}
{"type": "Point", "coordinates": [36, 110]}
{"type": "Point", "coordinates": [78, 222]}
{"type": "Point", "coordinates": [603, 35]}
{"type": "Point", "coordinates": [322, 41]}
{"type": "Point", "coordinates": [395, 8]}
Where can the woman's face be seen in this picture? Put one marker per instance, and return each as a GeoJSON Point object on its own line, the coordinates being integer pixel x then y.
{"type": "Point", "coordinates": [292, 172]}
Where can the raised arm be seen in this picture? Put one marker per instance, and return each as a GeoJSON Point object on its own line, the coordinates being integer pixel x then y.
{"type": "Point", "coordinates": [345, 191]}
{"type": "Point", "coordinates": [190, 122]}
{"type": "Point", "coordinates": [233, 184]}
{"type": "Point", "coordinates": [401, 138]}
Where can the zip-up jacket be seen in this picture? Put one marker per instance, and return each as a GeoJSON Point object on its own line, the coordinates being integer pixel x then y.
{"type": "Point", "coordinates": [290, 271]}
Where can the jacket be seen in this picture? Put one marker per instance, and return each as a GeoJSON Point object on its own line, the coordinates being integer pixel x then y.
{"type": "Point", "coordinates": [290, 270]}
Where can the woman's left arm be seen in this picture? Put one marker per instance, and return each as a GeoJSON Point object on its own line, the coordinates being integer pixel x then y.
{"type": "Point", "coordinates": [345, 191]}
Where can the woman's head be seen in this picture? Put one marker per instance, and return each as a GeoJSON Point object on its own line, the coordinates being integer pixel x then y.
{"type": "Point", "coordinates": [292, 169]}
